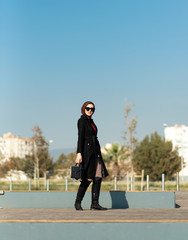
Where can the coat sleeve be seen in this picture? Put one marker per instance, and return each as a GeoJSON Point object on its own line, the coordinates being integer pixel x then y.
{"type": "Point", "coordinates": [81, 133]}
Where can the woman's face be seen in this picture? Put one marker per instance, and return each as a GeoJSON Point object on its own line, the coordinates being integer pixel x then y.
{"type": "Point", "coordinates": [89, 110]}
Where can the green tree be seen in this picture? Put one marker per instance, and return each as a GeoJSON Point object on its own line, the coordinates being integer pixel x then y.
{"type": "Point", "coordinates": [29, 166]}
{"type": "Point", "coordinates": [115, 155]}
{"type": "Point", "coordinates": [36, 165]}
{"type": "Point", "coordinates": [155, 156]}
{"type": "Point", "coordinates": [1, 156]}
{"type": "Point", "coordinates": [43, 162]}
{"type": "Point", "coordinates": [60, 161]}
{"type": "Point", "coordinates": [63, 164]}
{"type": "Point", "coordinates": [14, 163]}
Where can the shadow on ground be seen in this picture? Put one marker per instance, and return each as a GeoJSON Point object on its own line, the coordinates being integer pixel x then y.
{"type": "Point", "coordinates": [119, 200]}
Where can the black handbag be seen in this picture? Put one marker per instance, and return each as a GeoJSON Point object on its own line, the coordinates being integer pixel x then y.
{"type": "Point", "coordinates": [77, 172]}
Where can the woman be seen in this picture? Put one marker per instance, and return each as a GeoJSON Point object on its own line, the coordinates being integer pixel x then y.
{"type": "Point", "coordinates": [89, 155]}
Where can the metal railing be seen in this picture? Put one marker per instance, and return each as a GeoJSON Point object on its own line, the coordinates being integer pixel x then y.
{"type": "Point", "coordinates": [130, 183]}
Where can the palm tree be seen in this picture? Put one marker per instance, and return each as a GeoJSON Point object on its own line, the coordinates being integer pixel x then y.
{"type": "Point", "coordinates": [114, 155]}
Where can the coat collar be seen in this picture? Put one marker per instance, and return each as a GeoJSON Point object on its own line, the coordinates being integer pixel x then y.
{"type": "Point", "coordinates": [89, 121]}
{"type": "Point", "coordinates": [85, 117]}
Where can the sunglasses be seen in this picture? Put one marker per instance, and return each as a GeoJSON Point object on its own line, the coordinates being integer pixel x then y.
{"type": "Point", "coordinates": [88, 108]}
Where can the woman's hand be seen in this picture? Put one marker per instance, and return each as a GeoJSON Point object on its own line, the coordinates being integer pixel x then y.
{"type": "Point", "coordinates": [78, 158]}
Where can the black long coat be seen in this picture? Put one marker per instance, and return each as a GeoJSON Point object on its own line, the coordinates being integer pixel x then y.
{"type": "Point", "coordinates": [88, 145]}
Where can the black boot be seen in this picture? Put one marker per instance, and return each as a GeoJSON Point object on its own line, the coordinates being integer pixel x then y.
{"type": "Point", "coordinates": [95, 195]}
{"type": "Point", "coordinates": [81, 192]}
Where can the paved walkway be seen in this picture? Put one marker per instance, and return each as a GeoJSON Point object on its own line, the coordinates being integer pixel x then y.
{"type": "Point", "coordinates": [178, 214]}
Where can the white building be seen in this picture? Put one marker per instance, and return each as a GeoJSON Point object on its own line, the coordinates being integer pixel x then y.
{"type": "Point", "coordinates": [15, 146]}
{"type": "Point", "coordinates": [178, 135]}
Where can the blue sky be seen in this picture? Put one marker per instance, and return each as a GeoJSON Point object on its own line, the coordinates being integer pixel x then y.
{"type": "Point", "coordinates": [54, 55]}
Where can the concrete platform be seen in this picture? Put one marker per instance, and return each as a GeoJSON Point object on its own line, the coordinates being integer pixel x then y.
{"type": "Point", "coordinates": [67, 223]}
{"type": "Point", "coordinates": [67, 215]}
{"type": "Point", "coordinates": [178, 214]}
{"type": "Point", "coordinates": [93, 231]}
{"type": "Point", "coordinates": [112, 199]}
